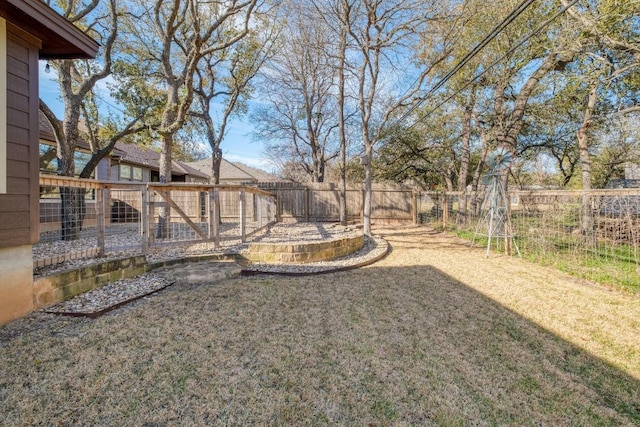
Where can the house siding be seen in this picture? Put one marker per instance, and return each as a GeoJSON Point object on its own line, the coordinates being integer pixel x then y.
{"type": "Point", "coordinates": [19, 215]}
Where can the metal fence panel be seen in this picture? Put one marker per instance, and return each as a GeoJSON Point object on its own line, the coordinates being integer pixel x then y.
{"type": "Point", "coordinates": [594, 235]}
{"type": "Point", "coordinates": [87, 218]}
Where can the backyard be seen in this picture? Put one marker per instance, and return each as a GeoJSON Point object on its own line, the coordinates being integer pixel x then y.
{"type": "Point", "coordinates": [433, 334]}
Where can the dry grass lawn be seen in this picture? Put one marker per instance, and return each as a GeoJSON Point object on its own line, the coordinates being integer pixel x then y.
{"type": "Point", "coordinates": [434, 334]}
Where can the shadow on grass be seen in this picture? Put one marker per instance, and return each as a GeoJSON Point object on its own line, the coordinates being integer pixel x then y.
{"type": "Point", "coordinates": [377, 346]}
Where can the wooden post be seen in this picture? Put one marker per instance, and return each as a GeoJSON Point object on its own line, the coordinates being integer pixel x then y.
{"type": "Point", "coordinates": [243, 222]}
{"type": "Point", "coordinates": [144, 215]}
{"type": "Point", "coordinates": [100, 206]}
{"type": "Point", "coordinates": [257, 209]}
{"type": "Point", "coordinates": [307, 205]}
{"type": "Point", "coordinates": [414, 207]}
{"type": "Point", "coordinates": [445, 211]}
{"type": "Point", "coordinates": [279, 205]}
{"type": "Point", "coordinates": [214, 217]}
{"type": "Point", "coordinates": [152, 208]}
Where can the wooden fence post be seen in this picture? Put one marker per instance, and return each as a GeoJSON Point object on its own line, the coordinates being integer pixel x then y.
{"type": "Point", "coordinates": [414, 207]}
{"type": "Point", "coordinates": [307, 205]}
{"type": "Point", "coordinates": [445, 211]}
{"type": "Point", "coordinates": [144, 214]}
{"type": "Point", "coordinates": [152, 207]}
{"type": "Point", "coordinates": [243, 221]}
{"type": "Point", "coordinates": [214, 217]}
{"type": "Point", "coordinates": [100, 206]}
{"type": "Point", "coordinates": [279, 205]}
{"type": "Point", "coordinates": [257, 209]}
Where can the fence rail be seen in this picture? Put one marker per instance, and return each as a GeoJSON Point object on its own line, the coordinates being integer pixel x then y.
{"type": "Point", "coordinates": [594, 234]}
{"type": "Point", "coordinates": [591, 234]}
{"type": "Point", "coordinates": [84, 218]}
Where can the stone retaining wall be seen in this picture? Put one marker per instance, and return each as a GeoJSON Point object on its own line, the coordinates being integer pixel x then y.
{"type": "Point", "coordinates": [58, 287]}
{"type": "Point", "coordinates": [304, 252]}
{"type": "Point", "coordinates": [61, 286]}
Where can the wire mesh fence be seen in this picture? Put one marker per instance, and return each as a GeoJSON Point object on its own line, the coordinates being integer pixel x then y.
{"type": "Point", "coordinates": [85, 218]}
{"type": "Point", "coordinates": [593, 235]}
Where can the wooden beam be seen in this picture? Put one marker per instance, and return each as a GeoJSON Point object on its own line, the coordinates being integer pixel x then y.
{"type": "Point", "coordinates": [165, 195]}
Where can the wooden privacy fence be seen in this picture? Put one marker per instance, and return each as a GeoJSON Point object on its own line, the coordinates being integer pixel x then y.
{"type": "Point", "coordinates": [321, 202]}
{"type": "Point", "coordinates": [101, 217]}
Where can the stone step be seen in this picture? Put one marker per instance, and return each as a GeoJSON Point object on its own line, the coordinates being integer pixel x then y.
{"type": "Point", "coordinates": [200, 272]}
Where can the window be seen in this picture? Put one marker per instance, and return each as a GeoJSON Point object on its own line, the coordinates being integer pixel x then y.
{"type": "Point", "coordinates": [80, 160]}
{"type": "Point", "coordinates": [130, 173]}
{"type": "Point", "coordinates": [137, 174]}
{"type": "Point", "coordinates": [49, 161]}
{"type": "Point", "coordinates": [125, 172]}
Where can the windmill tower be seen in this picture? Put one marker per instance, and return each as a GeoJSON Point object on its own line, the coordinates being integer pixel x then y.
{"type": "Point", "coordinates": [495, 220]}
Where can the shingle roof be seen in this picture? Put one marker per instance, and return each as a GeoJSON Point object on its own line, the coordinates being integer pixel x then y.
{"type": "Point", "coordinates": [259, 174]}
{"type": "Point", "coordinates": [149, 158]}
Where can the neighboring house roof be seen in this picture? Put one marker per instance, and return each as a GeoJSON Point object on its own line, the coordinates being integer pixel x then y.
{"type": "Point", "coordinates": [259, 174]}
{"type": "Point", "coordinates": [149, 158]}
{"type": "Point", "coordinates": [46, 134]}
{"type": "Point", "coordinates": [128, 153]}
{"type": "Point", "coordinates": [237, 172]}
{"type": "Point", "coordinates": [60, 39]}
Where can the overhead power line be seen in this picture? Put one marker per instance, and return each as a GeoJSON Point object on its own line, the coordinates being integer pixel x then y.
{"type": "Point", "coordinates": [496, 62]}
{"type": "Point", "coordinates": [470, 55]}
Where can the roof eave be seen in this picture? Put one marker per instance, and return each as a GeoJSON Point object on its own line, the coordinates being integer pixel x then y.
{"type": "Point", "coordinates": [60, 39]}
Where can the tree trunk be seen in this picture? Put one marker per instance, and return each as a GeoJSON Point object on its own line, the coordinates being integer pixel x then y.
{"type": "Point", "coordinates": [215, 174]}
{"type": "Point", "coordinates": [368, 186]}
{"type": "Point", "coordinates": [465, 159]}
{"type": "Point", "coordinates": [72, 212]}
{"type": "Point", "coordinates": [475, 183]}
{"type": "Point", "coordinates": [164, 213]}
{"type": "Point", "coordinates": [341, 124]}
{"type": "Point", "coordinates": [586, 224]}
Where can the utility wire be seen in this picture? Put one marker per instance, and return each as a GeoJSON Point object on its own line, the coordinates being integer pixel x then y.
{"type": "Point", "coordinates": [496, 62]}
{"type": "Point", "coordinates": [478, 47]}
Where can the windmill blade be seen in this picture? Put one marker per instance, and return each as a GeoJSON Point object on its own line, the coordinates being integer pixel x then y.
{"type": "Point", "coordinates": [499, 160]}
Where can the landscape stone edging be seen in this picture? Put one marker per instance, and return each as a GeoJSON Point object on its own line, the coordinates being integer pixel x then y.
{"type": "Point", "coordinates": [64, 285]}
{"type": "Point", "coordinates": [61, 286]}
{"type": "Point", "coordinates": [297, 253]}
{"type": "Point", "coordinates": [276, 272]}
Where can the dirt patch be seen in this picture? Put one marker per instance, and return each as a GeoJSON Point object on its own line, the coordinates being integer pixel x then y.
{"type": "Point", "coordinates": [433, 334]}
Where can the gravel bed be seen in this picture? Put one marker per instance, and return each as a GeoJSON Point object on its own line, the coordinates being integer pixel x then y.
{"type": "Point", "coordinates": [110, 295]}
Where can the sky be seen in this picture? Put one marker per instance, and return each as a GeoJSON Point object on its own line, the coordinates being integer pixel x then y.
{"type": "Point", "coordinates": [238, 145]}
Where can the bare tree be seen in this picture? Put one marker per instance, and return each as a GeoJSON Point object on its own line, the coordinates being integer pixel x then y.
{"type": "Point", "coordinates": [383, 31]}
{"type": "Point", "coordinates": [169, 40]}
{"type": "Point", "coordinates": [225, 77]}
{"type": "Point", "coordinates": [77, 81]}
{"type": "Point", "coordinates": [299, 121]}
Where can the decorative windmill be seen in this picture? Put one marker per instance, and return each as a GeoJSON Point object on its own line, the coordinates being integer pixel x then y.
{"type": "Point", "coordinates": [495, 219]}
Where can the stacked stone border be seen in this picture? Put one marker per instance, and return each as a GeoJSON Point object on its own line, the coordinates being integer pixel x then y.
{"type": "Point", "coordinates": [304, 252]}
{"type": "Point", "coordinates": [61, 286]}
